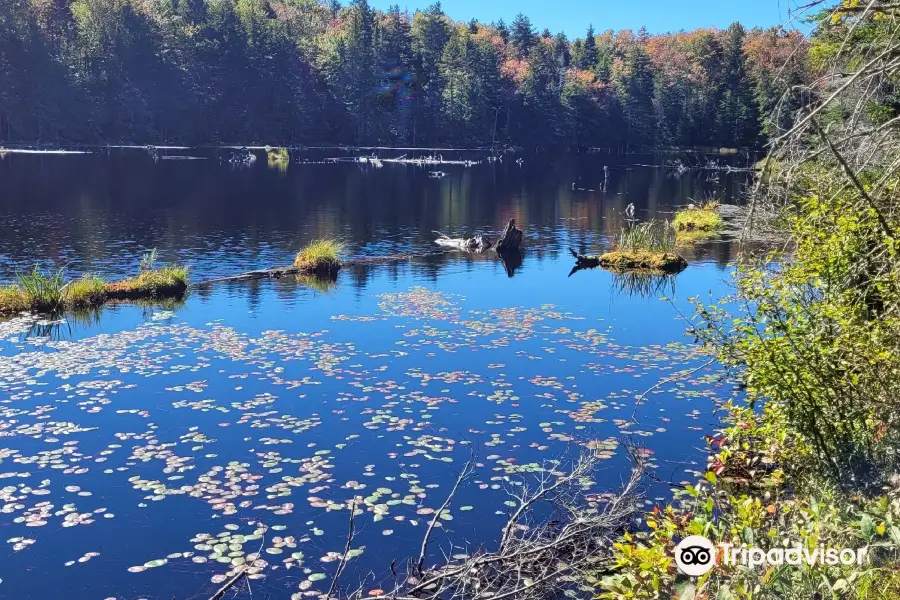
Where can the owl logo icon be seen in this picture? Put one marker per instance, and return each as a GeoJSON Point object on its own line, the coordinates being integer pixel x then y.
{"type": "Point", "coordinates": [695, 555]}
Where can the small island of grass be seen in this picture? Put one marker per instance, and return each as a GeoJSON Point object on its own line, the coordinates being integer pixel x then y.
{"type": "Point", "coordinates": [42, 292]}
{"type": "Point", "coordinates": [645, 247]}
{"type": "Point", "coordinates": [320, 257]}
{"type": "Point", "coordinates": [698, 223]}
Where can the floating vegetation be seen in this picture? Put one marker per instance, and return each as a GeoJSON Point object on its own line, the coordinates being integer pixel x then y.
{"type": "Point", "coordinates": [241, 451]}
{"type": "Point", "coordinates": [165, 282]}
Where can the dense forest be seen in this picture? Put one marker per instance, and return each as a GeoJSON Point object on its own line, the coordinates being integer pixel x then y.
{"type": "Point", "coordinates": [313, 71]}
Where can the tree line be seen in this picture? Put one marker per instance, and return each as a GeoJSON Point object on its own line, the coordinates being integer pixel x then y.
{"type": "Point", "coordinates": [311, 71]}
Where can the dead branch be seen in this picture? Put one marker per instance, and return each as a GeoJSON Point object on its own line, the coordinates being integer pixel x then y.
{"type": "Point", "coordinates": [536, 558]}
{"type": "Point", "coordinates": [229, 584]}
{"type": "Point", "coordinates": [467, 469]}
{"type": "Point", "coordinates": [343, 563]}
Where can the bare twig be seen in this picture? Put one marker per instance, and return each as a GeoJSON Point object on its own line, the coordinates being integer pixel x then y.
{"type": "Point", "coordinates": [467, 469]}
{"type": "Point", "coordinates": [242, 570]}
{"type": "Point", "coordinates": [343, 563]}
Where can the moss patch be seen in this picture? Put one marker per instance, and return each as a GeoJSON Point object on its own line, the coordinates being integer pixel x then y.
{"type": "Point", "coordinates": [697, 219]}
{"type": "Point", "coordinates": [643, 260]}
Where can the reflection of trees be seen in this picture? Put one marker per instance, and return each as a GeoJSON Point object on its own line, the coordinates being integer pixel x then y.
{"type": "Point", "coordinates": [101, 212]}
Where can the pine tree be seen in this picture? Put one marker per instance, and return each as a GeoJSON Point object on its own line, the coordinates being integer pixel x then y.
{"type": "Point", "coordinates": [738, 122]}
{"type": "Point", "coordinates": [561, 50]}
{"type": "Point", "coordinates": [522, 36]}
{"type": "Point", "coordinates": [640, 119]}
{"type": "Point", "coordinates": [589, 54]}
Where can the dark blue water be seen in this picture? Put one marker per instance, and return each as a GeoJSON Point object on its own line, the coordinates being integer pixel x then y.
{"type": "Point", "coordinates": [251, 413]}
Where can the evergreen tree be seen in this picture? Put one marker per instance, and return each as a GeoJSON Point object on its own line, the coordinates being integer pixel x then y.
{"type": "Point", "coordinates": [521, 35]}
{"type": "Point", "coordinates": [561, 50]}
{"type": "Point", "coordinates": [637, 102]}
{"type": "Point", "coordinates": [503, 31]}
{"type": "Point", "coordinates": [738, 116]}
{"type": "Point", "coordinates": [588, 59]}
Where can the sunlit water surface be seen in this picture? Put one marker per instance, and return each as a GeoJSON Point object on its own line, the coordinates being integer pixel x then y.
{"type": "Point", "coordinates": [146, 451]}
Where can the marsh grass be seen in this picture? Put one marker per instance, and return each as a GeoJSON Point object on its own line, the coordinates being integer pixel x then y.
{"type": "Point", "coordinates": [170, 280]}
{"type": "Point", "coordinates": [43, 291]}
{"type": "Point", "coordinates": [650, 236]}
{"type": "Point", "coordinates": [12, 300]}
{"type": "Point", "coordinates": [148, 260]}
{"type": "Point", "coordinates": [320, 257]}
{"type": "Point", "coordinates": [85, 292]}
{"type": "Point", "coordinates": [648, 247]}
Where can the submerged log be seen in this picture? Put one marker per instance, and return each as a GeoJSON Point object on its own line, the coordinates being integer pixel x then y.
{"type": "Point", "coordinates": [510, 239]}
{"type": "Point", "coordinates": [279, 272]}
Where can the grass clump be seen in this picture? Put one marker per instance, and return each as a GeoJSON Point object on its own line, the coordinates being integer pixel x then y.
{"type": "Point", "coordinates": [647, 247]}
{"type": "Point", "coordinates": [320, 257]}
{"type": "Point", "coordinates": [278, 158]}
{"type": "Point", "coordinates": [167, 281]}
{"type": "Point", "coordinates": [647, 237]}
{"type": "Point", "coordinates": [42, 291]}
{"type": "Point", "coordinates": [12, 300]}
{"type": "Point", "coordinates": [698, 223]}
{"type": "Point", "coordinates": [87, 291]}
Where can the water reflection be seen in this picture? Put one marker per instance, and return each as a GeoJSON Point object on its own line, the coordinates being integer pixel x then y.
{"type": "Point", "coordinates": [100, 213]}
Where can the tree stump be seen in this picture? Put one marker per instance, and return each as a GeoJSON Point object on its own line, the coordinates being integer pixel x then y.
{"type": "Point", "coordinates": [511, 239]}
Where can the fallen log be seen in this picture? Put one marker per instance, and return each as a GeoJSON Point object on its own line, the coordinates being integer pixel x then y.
{"type": "Point", "coordinates": [279, 272]}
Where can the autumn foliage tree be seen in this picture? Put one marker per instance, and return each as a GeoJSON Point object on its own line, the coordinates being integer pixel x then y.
{"type": "Point", "coordinates": [308, 71]}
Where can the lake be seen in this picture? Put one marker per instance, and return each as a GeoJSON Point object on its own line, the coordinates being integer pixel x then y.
{"type": "Point", "coordinates": [146, 450]}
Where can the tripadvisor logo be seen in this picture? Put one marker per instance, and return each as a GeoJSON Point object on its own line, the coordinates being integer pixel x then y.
{"type": "Point", "coordinates": [695, 556]}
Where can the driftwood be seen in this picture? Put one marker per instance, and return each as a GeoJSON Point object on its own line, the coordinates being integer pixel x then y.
{"type": "Point", "coordinates": [537, 557]}
{"type": "Point", "coordinates": [510, 241]}
{"type": "Point", "coordinates": [477, 243]}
